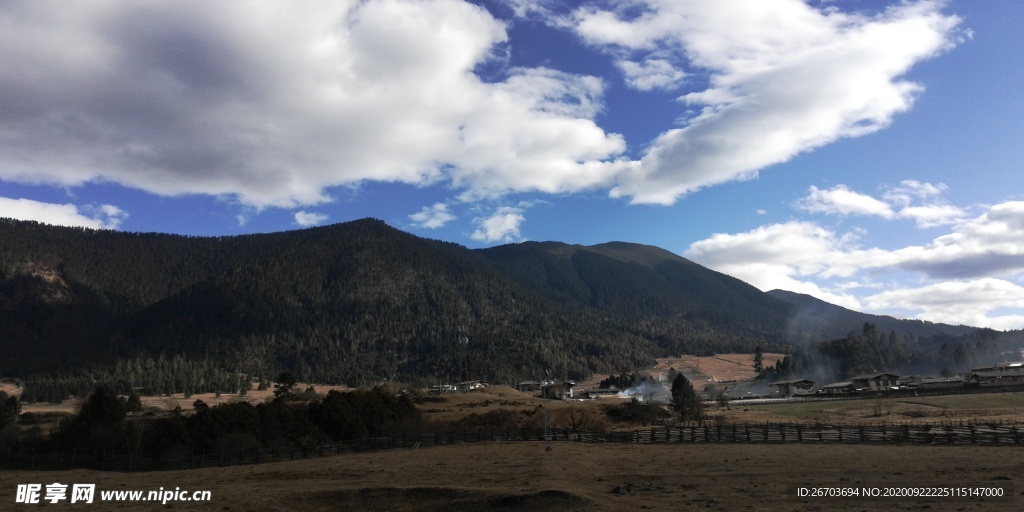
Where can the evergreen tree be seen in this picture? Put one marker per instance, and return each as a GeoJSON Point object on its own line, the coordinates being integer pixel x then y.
{"type": "Point", "coordinates": [285, 382]}
{"type": "Point", "coordinates": [758, 361]}
{"type": "Point", "coordinates": [8, 409]}
{"type": "Point", "coordinates": [244, 385]}
{"type": "Point", "coordinates": [134, 402]}
{"type": "Point", "coordinates": [684, 399]}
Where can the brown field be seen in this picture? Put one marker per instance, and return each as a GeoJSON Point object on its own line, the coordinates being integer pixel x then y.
{"type": "Point", "coordinates": [522, 476]}
{"type": "Point", "coordinates": [719, 367]}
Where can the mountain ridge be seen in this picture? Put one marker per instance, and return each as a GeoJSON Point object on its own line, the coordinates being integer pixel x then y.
{"type": "Point", "coordinates": [362, 301]}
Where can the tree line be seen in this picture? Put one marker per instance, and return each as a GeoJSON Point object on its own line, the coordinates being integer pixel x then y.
{"type": "Point", "coordinates": [288, 421]}
{"type": "Point", "coordinates": [145, 376]}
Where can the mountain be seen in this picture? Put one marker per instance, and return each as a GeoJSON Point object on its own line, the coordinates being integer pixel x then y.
{"type": "Point", "coordinates": [814, 316]}
{"type": "Point", "coordinates": [361, 301]}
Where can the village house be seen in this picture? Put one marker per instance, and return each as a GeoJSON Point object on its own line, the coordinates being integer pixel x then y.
{"type": "Point", "coordinates": [441, 389]}
{"type": "Point", "coordinates": [1003, 374]}
{"type": "Point", "coordinates": [837, 388]}
{"type": "Point", "coordinates": [793, 387]}
{"type": "Point", "coordinates": [529, 386]}
{"type": "Point", "coordinates": [930, 383]}
{"type": "Point", "coordinates": [876, 382]}
{"type": "Point", "coordinates": [558, 390]}
{"type": "Point", "coordinates": [594, 393]}
{"type": "Point", "coordinates": [470, 385]}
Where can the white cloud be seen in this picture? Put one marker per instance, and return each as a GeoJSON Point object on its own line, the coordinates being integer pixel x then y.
{"type": "Point", "coordinates": [909, 190]}
{"type": "Point", "coordinates": [105, 216]}
{"type": "Point", "coordinates": [304, 218]}
{"type": "Point", "coordinates": [501, 226]}
{"type": "Point", "coordinates": [899, 202]}
{"type": "Point", "coordinates": [783, 78]}
{"type": "Point", "coordinates": [784, 256]}
{"type": "Point", "coordinates": [973, 266]}
{"type": "Point", "coordinates": [651, 74]}
{"type": "Point", "coordinates": [932, 215]}
{"type": "Point", "coordinates": [955, 302]}
{"type": "Point", "coordinates": [932, 211]}
{"type": "Point", "coordinates": [991, 245]}
{"type": "Point", "coordinates": [843, 201]}
{"type": "Point", "coordinates": [271, 104]}
{"type": "Point", "coordinates": [433, 217]}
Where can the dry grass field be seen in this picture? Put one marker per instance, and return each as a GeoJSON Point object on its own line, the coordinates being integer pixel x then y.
{"type": "Point", "coordinates": [524, 476]}
{"type": "Point", "coordinates": [719, 367]}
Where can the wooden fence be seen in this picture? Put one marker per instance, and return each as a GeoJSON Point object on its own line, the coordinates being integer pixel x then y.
{"type": "Point", "coordinates": [823, 433]}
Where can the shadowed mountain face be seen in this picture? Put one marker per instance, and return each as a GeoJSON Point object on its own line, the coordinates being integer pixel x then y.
{"type": "Point", "coordinates": [361, 301]}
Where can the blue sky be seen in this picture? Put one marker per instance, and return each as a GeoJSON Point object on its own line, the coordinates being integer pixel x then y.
{"type": "Point", "coordinates": [865, 152]}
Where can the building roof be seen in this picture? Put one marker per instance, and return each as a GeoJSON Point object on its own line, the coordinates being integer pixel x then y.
{"type": "Point", "coordinates": [869, 376]}
{"type": "Point", "coordinates": [998, 374]}
{"type": "Point", "coordinates": [933, 380]}
{"type": "Point", "coordinates": [1014, 367]}
{"type": "Point", "coordinates": [791, 381]}
{"type": "Point", "coordinates": [838, 385]}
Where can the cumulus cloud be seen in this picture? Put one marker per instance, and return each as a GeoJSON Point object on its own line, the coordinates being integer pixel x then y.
{"type": "Point", "coordinates": [104, 216]}
{"type": "Point", "coordinates": [967, 303]}
{"type": "Point", "coordinates": [974, 265]}
{"type": "Point", "coordinates": [501, 226]}
{"type": "Point", "coordinates": [932, 215]}
{"type": "Point", "coordinates": [841, 200]}
{"type": "Point", "coordinates": [911, 200]}
{"type": "Point", "coordinates": [651, 74]}
{"type": "Point", "coordinates": [909, 190]}
{"type": "Point", "coordinates": [304, 218]}
{"type": "Point", "coordinates": [433, 217]}
{"type": "Point", "coordinates": [991, 245]}
{"type": "Point", "coordinates": [783, 78]}
{"type": "Point", "coordinates": [923, 203]}
{"type": "Point", "coordinates": [784, 256]}
{"type": "Point", "coordinates": [271, 105]}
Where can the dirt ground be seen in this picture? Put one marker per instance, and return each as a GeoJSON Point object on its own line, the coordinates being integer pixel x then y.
{"type": "Point", "coordinates": [522, 476]}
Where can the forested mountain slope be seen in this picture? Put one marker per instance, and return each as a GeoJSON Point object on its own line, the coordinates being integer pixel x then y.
{"type": "Point", "coordinates": [361, 301]}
